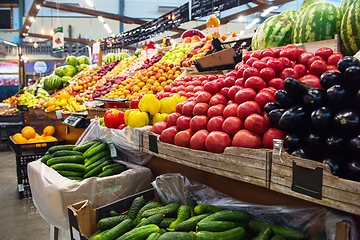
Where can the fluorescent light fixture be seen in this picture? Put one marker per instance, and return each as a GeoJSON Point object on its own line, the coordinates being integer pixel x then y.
{"type": "Point", "coordinates": [267, 11]}
{"type": "Point", "coordinates": [256, 20]}
{"type": "Point", "coordinates": [107, 28]}
{"type": "Point", "coordinates": [89, 3]}
{"type": "Point", "coordinates": [42, 31]}
{"type": "Point", "coordinates": [38, 6]}
{"type": "Point", "coordinates": [241, 32]}
{"type": "Point", "coordinates": [30, 40]}
{"type": "Point", "coordinates": [31, 19]}
{"type": "Point", "coordinates": [101, 19]}
{"type": "Point", "coordinates": [241, 18]}
{"type": "Point", "coordinates": [10, 43]}
{"type": "Point", "coordinates": [27, 27]}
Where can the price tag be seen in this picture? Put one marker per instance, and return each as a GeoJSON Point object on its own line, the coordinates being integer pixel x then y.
{"type": "Point", "coordinates": [153, 144]}
{"type": "Point", "coordinates": [129, 140]}
{"type": "Point", "coordinates": [113, 151]}
{"type": "Point", "coordinates": [307, 181]}
{"type": "Point", "coordinates": [58, 114]}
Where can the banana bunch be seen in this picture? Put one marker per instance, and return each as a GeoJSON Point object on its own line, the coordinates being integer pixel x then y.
{"type": "Point", "coordinates": [74, 106]}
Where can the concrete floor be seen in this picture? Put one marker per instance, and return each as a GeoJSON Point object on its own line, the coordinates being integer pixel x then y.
{"type": "Point", "coordinates": [19, 219]}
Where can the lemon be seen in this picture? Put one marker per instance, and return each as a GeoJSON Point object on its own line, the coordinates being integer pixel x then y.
{"type": "Point", "coordinates": [71, 99]}
{"type": "Point", "coordinates": [63, 102]}
{"type": "Point", "coordinates": [57, 104]}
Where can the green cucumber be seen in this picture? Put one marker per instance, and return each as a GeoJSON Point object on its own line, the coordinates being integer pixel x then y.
{"type": "Point", "coordinates": [111, 172]}
{"type": "Point", "coordinates": [97, 157]}
{"type": "Point", "coordinates": [218, 226]}
{"type": "Point", "coordinates": [140, 233]}
{"type": "Point", "coordinates": [92, 147]}
{"type": "Point", "coordinates": [147, 206]}
{"type": "Point", "coordinates": [66, 153]}
{"type": "Point", "coordinates": [47, 153]}
{"type": "Point", "coordinates": [95, 150]}
{"type": "Point", "coordinates": [279, 237]}
{"type": "Point", "coordinates": [229, 215]}
{"type": "Point", "coordinates": [68, 167]}
{"type": "Point", "coordinates": [264, 234]}
{"type": "Point", "coordinates": [70, 173]}
{"type": "Point", "coordinates": [153, 236]}
{"type": "Point", "coordinates": [113, 214]}
{"type": "Point", "coordinates": [94, 172]}
{"type": "Point", "coordinates": [190, 224]}
{"type": "Point", "coordinates": [94, 235]}
{"type": "Point", "coordinates": [79, 179]}
{"type": "Point", "coordinates": [169, 210]}
{"type": "Point", "coordinates": [110, 222]}
{"type": "Point", "coordinates": [85, 146]}
{"type": "Point", "coordinates": [162, 231]}
{"type": "Point", "coordinates": [99, 235]}
{"type": "Point", "coordinates": [45, 158]}
{"type": "Point", "coordinates": [232, 234]}
{"type": "Point", "coordinates": [319, 236]}
{"type": "Point", "coordinates": [136, 205]}
{"type": "Point", "coordinates": [65, 159]}
{"type": "Point", "coordinates": [118, 230]}
{"type": "Point", "coordinates": [183, 214]}
{"type": "Point", "coordinates": [61, 147]}
{"type": "Point", "coordinates": [97, 163]}
{"type": "Point", "coordinates": [178, 236]}
{"type": "Point", "coordinates": [113, 165]}
{"type": "Point", "coordinates": [206, 208]}
{"type": "Point", "coordinates": [192, 204]}
{"type": "Point", "coordinates": [278, 230]}
{"type": "Point", "coordinates": [155, 219]}
{"type": "Point", "coordinates": [165, 223]}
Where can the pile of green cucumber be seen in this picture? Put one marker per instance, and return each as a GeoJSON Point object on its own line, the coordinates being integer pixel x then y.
{"type": "Point", "coordinates": [156, 221]}
{"type": "Point", "coordinates": [91, 159]}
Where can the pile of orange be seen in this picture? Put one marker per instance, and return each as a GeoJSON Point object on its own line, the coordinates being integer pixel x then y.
{"type": "Point", "coordinates": [29, 135]}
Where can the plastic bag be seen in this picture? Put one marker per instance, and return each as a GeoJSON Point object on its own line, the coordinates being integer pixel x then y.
{"type": "Point", "coordinates": [52, 193]}
{"type": "Point", "coordinates": [128, 140]}
{"type": "Point", "coordinates": [308, 219]}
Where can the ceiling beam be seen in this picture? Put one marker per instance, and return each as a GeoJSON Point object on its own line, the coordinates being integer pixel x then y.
{"type": "Point", "coordinates": [49, 37]}
{"type": "Point", "coordinates": [32, 13]}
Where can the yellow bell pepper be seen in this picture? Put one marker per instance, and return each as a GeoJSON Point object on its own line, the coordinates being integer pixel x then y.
{"type": "Point", "coordinates": [138, 119]}
{"type": "Point", "coordinates": [168, 105]}
{"type": "Point", "coordinates": [159, 117]}
{"type": "Point", "coordinates": [182, 99]}
{"type": "Point", "coordinates": [126, 115]}
{"type": "Point", "coordinates": [150, 104]}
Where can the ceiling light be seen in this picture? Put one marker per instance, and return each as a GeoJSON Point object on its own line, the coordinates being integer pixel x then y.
{"type": "Point", "coordinates": [27, 27]}
{"type": "Point", "coordinates": [107, 28]}
{"type": "Point", "coordinates": [256, 20]}
{"type": "Point", "coordinates": [101, 19]}
{"type": "Point", "coordinates": [241, 18]}
{"type": "Point", "coordinates": [267, 11]}
{"type": "Point", "coordinates": [52, 32]}
{"type": "Point", "coordinates": [38, 6]}
{"type": "Point", "coordinates": [42, 31]}
{"type": "Point", "coordinates": [89, 3]}
{"type": "Point", "coordinates": [31, 19]}
{"type": "Point", "coordinates": [30, 40]}
{"type": "Point", "coordinates": [35, 45]}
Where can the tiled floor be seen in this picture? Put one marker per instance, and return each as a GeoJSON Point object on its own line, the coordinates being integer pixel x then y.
{"type": "Point", "coordinates": [19, 219]}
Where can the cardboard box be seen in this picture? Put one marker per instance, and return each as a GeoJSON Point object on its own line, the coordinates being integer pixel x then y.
{"type": "Point", "coordinates": [3, 107]}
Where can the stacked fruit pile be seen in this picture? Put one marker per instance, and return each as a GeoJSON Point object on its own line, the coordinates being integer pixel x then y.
{"type": "Point", "coordinates": [28, 135]}
{"type": "Point", "coordinates": [176, 54]}
{"type": "Point", "coordinates": [63, 100]}
{"type": "Point", "coordinates": [150, 61]}
{"type": "Point", "coordinates": [121, 67]}
{"type": "Point", "coordinates": [91, 159]}
{"type": "Point", "coordinates": [196, 52]}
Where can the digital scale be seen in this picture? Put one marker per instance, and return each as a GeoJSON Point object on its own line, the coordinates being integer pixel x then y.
{"type": "Point", "coordinates": [77, 120]}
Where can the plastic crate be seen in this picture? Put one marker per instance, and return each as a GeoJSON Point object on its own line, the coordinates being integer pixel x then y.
{"type": "Point", "coordinates": [7, 131]}
{"type": "Point", "coordinates": [22, 107]}
{"type": "Point", "coordinates": [29, 149]}
{"type": "Point", "coordinates": [6, 120]}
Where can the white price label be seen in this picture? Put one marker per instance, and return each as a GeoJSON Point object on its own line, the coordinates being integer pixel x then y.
{"type": "Point", "coordinates": [113, 151]}
{"type": "Point", "coordinates": [58, 114]}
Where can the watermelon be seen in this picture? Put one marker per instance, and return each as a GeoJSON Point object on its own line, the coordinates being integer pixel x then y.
{"type": "Point", "coordinates": [138, 52]}
{"type": "Point", "coordinates": [52, 81]}
{"type": "Point", "coordinates": [291, 13]}
{"type": "Point", "coordinates": [65, 79]}
{"type": "Point", "coordinates": [121, 56]}
{"type": "Point", "coordinates": [71, 60]}
{"type": "Point", "coordinates": [274, 32]}
{"type": "Point", "coordinates": [345, 4]}
{"type": "Point", "coordinates": [320, 21]}
{"type": "Point", "coordinates": [69, 70]}
{"type": "Point", "coordinates": [83, 60]}
{"type": "Point", "coordinates": [81, 67]}
{"type": "Point", "coordinates": [110, 57]}
{"type": "Point", "coordinates": [307, 3]}
{"type": "Point", "coordinates": [350, 28]}
{"type": "Point", "coordinates": [59, 72]}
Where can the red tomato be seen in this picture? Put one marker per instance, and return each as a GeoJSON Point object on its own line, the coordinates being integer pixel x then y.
{"type": "Point", "coordinates": [246, 56]}
{"type": "Point", "coordinates": [241, 70]}
{"type": "Point", "coordinates": [270, 135]}
{"type": "Point", "coordinates": [287, 62]}
{"type": "Point", "coordinates": [246, 139]}
{"type": "Point", "coordinates": [312, 82]}
{"type": "Point", "coordinates": [182, 138]}
{"type": "Point", "coordinates": [290, 46]}
{"type": "Point", "coordinates": [190, 88]}
{"type": "Point", "coordinates": [167, 88]}
{"type": "Point", "coordinates": [301, 51]}
{"type": "Point", "coordinates": [256, 123]}
{"type": "Point", "coordinates": [334, 59]}
{"type": "Point", "coordinates": [270, 90]}
{"type": "Point", "coordinates": [217, 141]}
{"type": "Point", "coordinates": [251, 60]}
{"type": "Point", "coordinates": [216, 110]}
{"type": "Point", "coordinates": [171, 119]}
{"type": "Point", "coordinates": [188, 108]}
{"type": "Point", "coordinates": [215, 124]}
{"type": "Point", "coordinates": [232, 125]}
{"type": "Point", "coordinates": [238, 66]}
{"type": "Point", "coordinates": [277, 51]}
{"type": "Point", "coordinates": [233, 90]}
{"type": "Point", "coordinates": [255, 83]}
{"type": "Point", "coordinates": [198, 88]}
{"type": "Point", "coordinates": [189, 95]}
{"type": "Point", "coordinates": [203, 97]}
{"type": "Point", "coordinates": [318, 67]}
{"type": "Point", "coordinates": [197, 141]}
{"type": "Point", "coordinates": [231, 74]}
{"type": "Point", "coordinates": [289, 72]}
{"type": "Point", "coordinates": [211, 87]}
{"type": "Point", "coordinates": [311, 60]}
{"type": "Point", "coordinates": [263, 98]}
{"type": "Point", "coordinates": [180, 88]}
{"type": "Point", "coordinates": [196, 83]}
{"type": "Point", "coordinates": [300, 69]}
{"type": "Point", "coordinates": [324, 52]}
{"type": "Point", "coordinates": [249, 72]}
{"type": "Point", "coordinates": [225, 92]}
{"type": "Point", "coordinates": [275, 64]}
{"type": "Point", "coordinates": [203, 77]}
{"type": "Point", "coordinates": [198, 122]}
{"type": "Point", "coordinates": [158, 127]}
{"type": "Point", "coordinates": [168, 134]}
{"type": "Point", "coordinates": [229, 81]}
{"type": "Point", "coordinates": [290, 53]}
{"type": "Point", "coordinates": [204, 82]}
{"type": "Point", "coordinates": [267, 74]}
{"type": "Point", "coordinates": [217, 99]}
{"type": "Point", "coordinates": [309, 76]}
{"type": "Point", "coordinates": [245, 94]}
{"type": "Point", "coordinates": [220, 83]}
{"type": "Point", "coordinates": [256, 54]}
{"type": "Point", "coordinates": [267, 52]}
{"type": "Point", "coordinates": [266, 59]}
{"type": "Point", "coordinates": [230, 110]}
{"type": "Point", "coordinates": [259, 65]}
{"type": "Point", "coordinates": [247, 108]}
{"type": "Point", "coordinates": [200, 109]}
{"type": "Point", "coordinates": [240, 82]}
{"type": "Point", "coordinates": [304, 58]}
{"type": "Point", "coordinates": [183, 122]}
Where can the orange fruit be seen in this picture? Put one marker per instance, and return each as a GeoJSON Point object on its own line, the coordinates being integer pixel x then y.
{"type": "Point", "coordinates": [50, 139]}
{"type": "Point", "coordinates": [32, 140]}
{"type": "Point", "coordinates": [19, 139]}
{"type": "Point", "coordinates": [49, 131]}
{"type": "Point", "coordinates": [28, 132]}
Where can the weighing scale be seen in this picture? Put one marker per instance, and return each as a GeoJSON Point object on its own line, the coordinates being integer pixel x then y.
{"type": "Point", "coordinates": [77, 120]}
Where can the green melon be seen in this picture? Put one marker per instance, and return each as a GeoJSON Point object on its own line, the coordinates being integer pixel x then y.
{"type": "Point", "coordinates": [350, 28]}
{"type": "Point", "coordinates": [307, 3]}
{"type": "Point", "coordinates": [83, 60]}
{"type": "Point", "coordinates": [345, 4]}
{"type": "Point", "coordinates": [110, 57]}
{"type": "Point", "coordinates": [320, 21]}
{"type": "Point", "coordinates": [274, 32]}
{"type": "Point", "coordinates": [137, 52]}
{"type": "Point", "coordinates": [71, 60]}
{"type": "Point", "coordinates": [291, 13]}
{"type": "Point", "coordinates": [52, 81]}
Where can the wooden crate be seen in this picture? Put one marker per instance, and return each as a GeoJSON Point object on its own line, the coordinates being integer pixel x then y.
{"type": "Point", "coordinates": [243, 164]}
{"type": "Point", "coordinates": [335, 192]}
{"type": "Point", "coordinates": [334, 44]}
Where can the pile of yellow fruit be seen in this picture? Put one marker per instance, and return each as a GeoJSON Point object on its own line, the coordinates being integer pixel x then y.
{"type": "Point", "coordinates": [64, 100]}
{"type": "Point", "coordinates": [124, 64]}
{"type": "Point", "coordinates": [149, 81]}
{"type": "Point", "coordinates": [28, 135]}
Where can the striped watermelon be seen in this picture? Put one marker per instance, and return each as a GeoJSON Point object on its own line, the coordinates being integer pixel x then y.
{"type": "Point", "coordinates": [274, 32]}
{"type": "Point", "coordinates": [307, 3]}
{"type": "Point", "coordinates": [345, 4]}
{"type": "Point", "coordinates": [320, 21]}
{"type": "Point", "coordinates": [291, 13]}
{"type": "Point", "coordinates": [350, 28]}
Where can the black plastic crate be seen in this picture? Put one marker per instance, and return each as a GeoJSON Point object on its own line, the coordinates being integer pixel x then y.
{"type": "Point", "coordinates": [24, 191]}
{"type": "Point", "coordinates": [22, 107]}
{"type": "Point", "coordinates": [6, 120]}
{"type": "Point", "coordinates": [28, 149]}
{"type": "Point", "coordinates": [7, 131]}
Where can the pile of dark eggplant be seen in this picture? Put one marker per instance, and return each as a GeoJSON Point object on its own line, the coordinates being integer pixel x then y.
{"type": "Point", "coordinates": [323, 124]}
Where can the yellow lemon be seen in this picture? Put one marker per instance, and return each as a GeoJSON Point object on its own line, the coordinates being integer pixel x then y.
{"type": "Point", "coordinates": [63, 102]}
